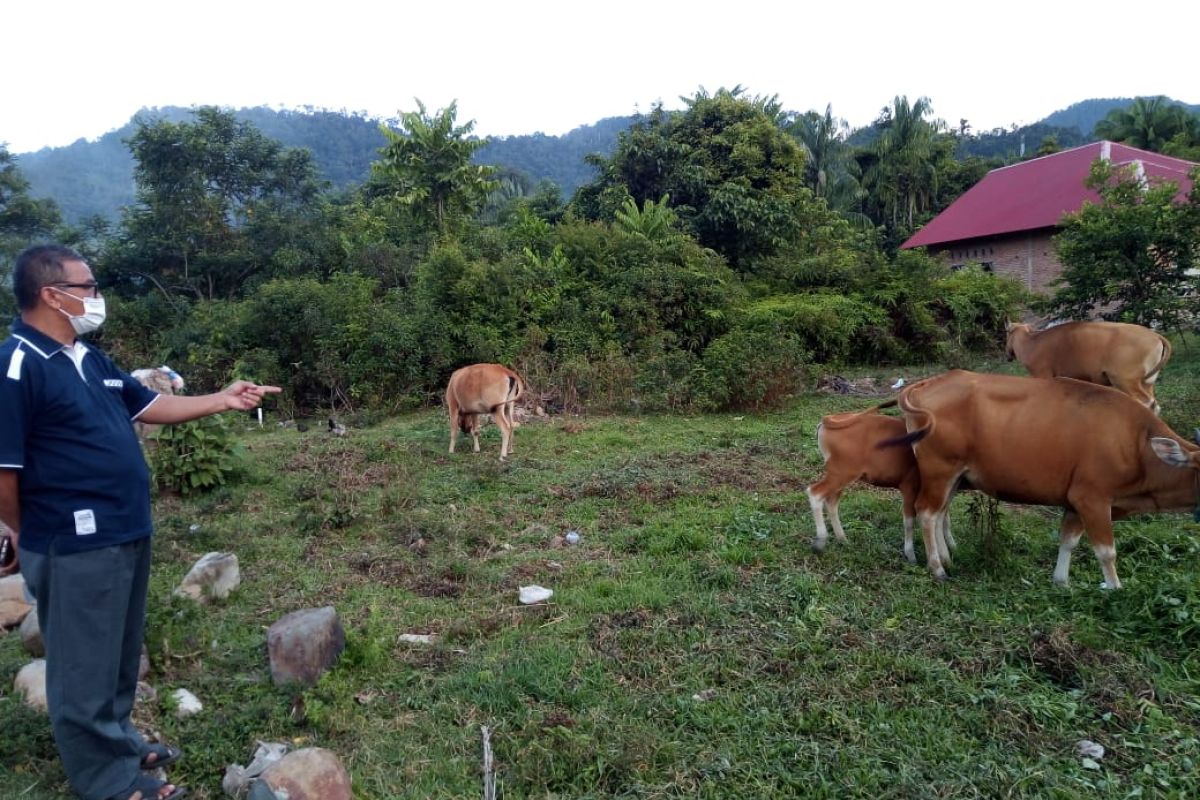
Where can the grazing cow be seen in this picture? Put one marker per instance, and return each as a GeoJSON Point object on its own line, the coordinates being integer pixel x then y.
{"type": "Point", "coordinates": [163, 380]}
{"type": "Point", "coordinates": [483, 389]}
{"type": "Point", "coordinates": [1088, 449]}
{"type": "Point", "coordinates": [849, 443]}
{"type": "Point", "coordinates": [1126, 357]}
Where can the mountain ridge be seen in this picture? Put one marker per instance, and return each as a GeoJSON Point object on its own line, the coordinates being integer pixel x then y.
{"type": "Point", "coordinates": [95, 177]}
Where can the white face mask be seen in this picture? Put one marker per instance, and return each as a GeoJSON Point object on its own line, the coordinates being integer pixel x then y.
{"type": "Point", "coordinates": [92, 316]}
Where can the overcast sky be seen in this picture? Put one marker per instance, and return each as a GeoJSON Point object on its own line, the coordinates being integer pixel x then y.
{"type": "Point", "coordinates": [80, 69]}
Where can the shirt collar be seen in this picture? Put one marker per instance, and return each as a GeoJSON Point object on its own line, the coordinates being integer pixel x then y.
{"type": "Point", "coordinates": [39, 342]}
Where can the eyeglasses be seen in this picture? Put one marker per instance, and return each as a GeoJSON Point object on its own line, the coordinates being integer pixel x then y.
{"type": "Point", "coordinates": [94, 287]}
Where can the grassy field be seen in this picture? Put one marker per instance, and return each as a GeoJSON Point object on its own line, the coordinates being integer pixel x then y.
{"type": "Point", "coordinates": [695, 646]}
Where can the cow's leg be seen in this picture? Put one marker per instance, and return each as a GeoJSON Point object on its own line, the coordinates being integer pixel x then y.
{"type": "Point", "coordinates": [943, 525]}
{"type": "Point", "coordinates": [946, 534]}
{"type": "Point", "coordinates": [1097, 519]}
{"type": "Point", "coordinates": [505, 430]}
{"type": "Point", "coordinates": [1069, 531]}
{"type": "Point", "coordinates": [816, 502]}
{"type": "Point", "coordinates": [908, 493]}
{"type": "Point", "coordinates": [825, 494]}
{"type": "Point", "coordinates": [932, 502]}
{"type": "Point", "coordinates": [512, 423]}
{"type": "Point", "coordinates": [475, 424]}
{"type": "Point", "coordinates": [452, 407]}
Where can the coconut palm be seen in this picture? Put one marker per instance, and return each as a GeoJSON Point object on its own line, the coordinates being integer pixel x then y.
{"type": "Point", "coordinates": [1148, 123]}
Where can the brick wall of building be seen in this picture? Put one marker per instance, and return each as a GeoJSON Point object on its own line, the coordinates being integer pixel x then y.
{"type": "Point", "coordinates": [1029, 257]}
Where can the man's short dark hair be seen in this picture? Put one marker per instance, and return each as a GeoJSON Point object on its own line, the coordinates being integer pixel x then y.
{"type": "Point", "coordinates": [38, 266]}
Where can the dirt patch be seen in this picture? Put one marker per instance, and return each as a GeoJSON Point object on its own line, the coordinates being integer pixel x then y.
{"type": "Point", "coordinates": [436, 587]}
{"type": "Point", "coordinates": [383, 571]}
{"type": "Point", "coordinates": [1061, 659]}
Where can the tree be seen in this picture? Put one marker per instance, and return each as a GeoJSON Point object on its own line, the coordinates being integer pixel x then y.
{"type": "Point", "coordinates": [427, 167]}
{"type": "Point", "coordinates": [1149, 123]}
{"type": "Point", "coordinates": [829, 160]}
{"type": "Point", "coordinates": [23, 219]}
{"type": "Point", "coordinates": [1131, 256]}
{"type": "Point", "coordinates": [904, 174]}
{"type": "Point", "coordinates": [735, 178]}
{"type": "Point", "coordinates": [213, 196]}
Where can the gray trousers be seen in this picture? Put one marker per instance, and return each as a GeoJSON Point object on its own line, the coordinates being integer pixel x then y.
{"type": "Point", "coordinates": [92, 609]}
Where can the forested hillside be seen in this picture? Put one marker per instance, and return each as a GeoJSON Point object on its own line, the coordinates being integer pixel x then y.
{"type": "Point", "coordinates": [1084, 115]}
{"type": "Point", "coordinates": [96, 178]}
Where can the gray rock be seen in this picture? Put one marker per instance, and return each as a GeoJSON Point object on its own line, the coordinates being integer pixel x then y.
{"type": "Point", "coordinates": [14, 604]}
{"type": "Point", "coordinates": [309, 774]}
{"type": "Point", "coordinates": [213, 577]}
{"type": "Point", "coordinates": [31, 635]}
{"type": "Point", "coordinates": [304, 644]}
{"type": "Point", "coordinates": [239, 779]}
{"type": "Point", "coordinates": [31, 684]}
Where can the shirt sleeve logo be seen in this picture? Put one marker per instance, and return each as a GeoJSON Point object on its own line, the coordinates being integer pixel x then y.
{"type": "Point", "coordinates": [113, 383]}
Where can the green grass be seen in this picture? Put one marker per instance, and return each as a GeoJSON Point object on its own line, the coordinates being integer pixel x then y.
{"type": "Point", "coordinates": [843, 674]}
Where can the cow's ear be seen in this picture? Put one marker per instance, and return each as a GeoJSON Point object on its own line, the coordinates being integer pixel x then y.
{"type": "Point", "coordinates": [1170, 452]}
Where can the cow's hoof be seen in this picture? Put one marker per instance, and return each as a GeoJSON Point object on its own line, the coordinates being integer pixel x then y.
{"type": "Point", "coordinates": [910, 558]}
{"type": "Point", "coordinates": [818, 546]}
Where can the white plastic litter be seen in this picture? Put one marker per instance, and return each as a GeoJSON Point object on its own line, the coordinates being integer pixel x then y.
{"type": "Point", "coordinates": [418, 638]}
{"type": "Point", "coordinates": [1086, 748]}
{"type": "Point", "coordinates": [529, 595]}
{"type": "Point", "coordinates": [186, 703]}
{"type": "Point", "coordinates": [572, 537]}
{"type": "Point", "coordinates": [899, 382]}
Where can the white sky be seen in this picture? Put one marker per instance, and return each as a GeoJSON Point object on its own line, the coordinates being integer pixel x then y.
{"type": "Point", "coordinates": [79, 69]}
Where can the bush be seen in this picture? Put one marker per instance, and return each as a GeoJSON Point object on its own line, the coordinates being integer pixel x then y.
{"type": "Point", "coordinates": [825, 324]}
{"type": "Point", "coordinates": [192, 457]}
{"type": "Point", "coordinates": [751, 369]}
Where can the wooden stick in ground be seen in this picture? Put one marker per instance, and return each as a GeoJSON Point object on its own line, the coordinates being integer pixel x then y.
{"type": "Point", "coordinates": [489, 778]}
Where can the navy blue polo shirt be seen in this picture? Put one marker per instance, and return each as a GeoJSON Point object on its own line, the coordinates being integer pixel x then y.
{"type": "Point", "coordinates": [67, 426]}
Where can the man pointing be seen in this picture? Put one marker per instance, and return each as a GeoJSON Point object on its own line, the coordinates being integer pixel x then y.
{"type": "Point", "coordinates": [75, 490]}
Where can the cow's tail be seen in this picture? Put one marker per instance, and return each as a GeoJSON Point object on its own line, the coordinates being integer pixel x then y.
{"type": "Point", "coordinates": [837, 421]}
{"type": "Point", "coordinates": [1152, 375]}
{"type": "Point", "coordinates": [516, 388]}
{"type": "Point", "coordinates": [911, 410]}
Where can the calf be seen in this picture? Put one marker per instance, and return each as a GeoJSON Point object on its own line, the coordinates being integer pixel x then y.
{"type": "Point", "coordinates": [483, 389]}
{"type": "Point", "coordinates": [1126, 357]}
{"type": "Point", "coordinates": [1090, 450]}
{"type": "Point", "coordinates": [849, 444]}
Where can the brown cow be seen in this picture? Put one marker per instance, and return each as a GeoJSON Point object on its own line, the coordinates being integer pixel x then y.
{"type": "Point", "coordinates": [1126, 357]}
{"type": "Point", "coordinates": [483, 389]}
{"type": "Point", "coordinates": [849, 443]}
{"type": "Point", "coordinates": [1088, 449]}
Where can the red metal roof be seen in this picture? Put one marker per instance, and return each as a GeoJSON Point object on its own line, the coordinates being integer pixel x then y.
{"type": "Point", "coordinates": [1036, 193]}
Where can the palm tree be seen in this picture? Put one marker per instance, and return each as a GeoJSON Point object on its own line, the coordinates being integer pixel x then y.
{"type": "Point", "coordinates": [1148, 123]}
{"type": "Point", "coordinates": [903, 175]}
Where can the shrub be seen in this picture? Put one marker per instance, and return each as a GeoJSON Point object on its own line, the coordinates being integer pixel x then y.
{"type": "Point", "coordinates": [195, 456]}
{"type": "Point", "coordinates": [825, 324]}
{"type": "Point", "coordinates": [751, 369]}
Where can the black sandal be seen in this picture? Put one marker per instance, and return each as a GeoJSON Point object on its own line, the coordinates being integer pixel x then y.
{"type": "Point", "coordinates": [164, 755]}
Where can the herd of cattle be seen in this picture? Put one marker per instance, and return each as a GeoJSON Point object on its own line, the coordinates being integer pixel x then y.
{"type": "Point", "coordinates": [1082, 434]}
